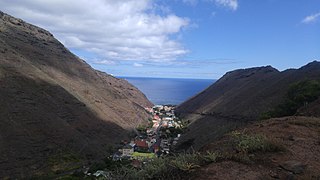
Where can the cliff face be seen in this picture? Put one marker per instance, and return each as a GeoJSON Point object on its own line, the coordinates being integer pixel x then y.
{"type": "Point", "coordinates": [53, 102]}
{"type": "Point", "coordinates": [238, 97]}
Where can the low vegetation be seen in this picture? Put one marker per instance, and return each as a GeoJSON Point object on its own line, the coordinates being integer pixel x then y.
{"type": "Point", "coordinates": [299, 94]}
{"type": "Point", "coordinates": [186, 162]}
{"type": "Point", "coordinates": [243, 147]}
{"type": "Point", "coordinates": [62, 162]}
{"type": "Point", "coordinates": [176, 166]}
{"type": "Point", "coordinates": [173, 166]}
{"type": "Point", "coordinates": [180, 165]}
{"type": "Point", "coordinates": [143, 155]}
{"type": "Point", "coordinates": [246, 143]}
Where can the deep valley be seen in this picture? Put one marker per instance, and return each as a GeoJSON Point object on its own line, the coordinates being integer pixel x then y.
{"type": "Point", "coordinates": [62, 119]}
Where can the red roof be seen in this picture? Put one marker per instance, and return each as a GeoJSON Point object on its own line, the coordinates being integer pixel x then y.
{"type": "Point", "coordinates": [141, 143]}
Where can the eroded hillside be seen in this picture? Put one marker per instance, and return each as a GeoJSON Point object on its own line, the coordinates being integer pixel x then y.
{"type": "Point", "coordinates": [53, 102]}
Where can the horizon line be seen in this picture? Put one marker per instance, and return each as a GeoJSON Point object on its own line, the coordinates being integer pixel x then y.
{"type": "Point", "coordinates": [164, 77]}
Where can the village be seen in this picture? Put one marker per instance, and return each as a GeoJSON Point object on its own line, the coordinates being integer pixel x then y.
{"type": "Point", "coordinates": [155, 139]}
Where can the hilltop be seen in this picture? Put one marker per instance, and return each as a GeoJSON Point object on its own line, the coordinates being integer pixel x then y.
{"type": "Point", "coordinates": [239, 97]}
{"type": "Point", "coordinates": [57, 111]}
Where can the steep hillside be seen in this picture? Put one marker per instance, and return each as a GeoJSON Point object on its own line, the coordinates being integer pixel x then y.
{"type": "Point", "coordinates": [238, 97]}
{"type": "Point", "coordinates": [53, 103]}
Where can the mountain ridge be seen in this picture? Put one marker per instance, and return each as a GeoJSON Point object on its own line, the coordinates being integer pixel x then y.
{"type": "Point", "coordinates": [237, 98]}
{"type": "Point", "coordinates": [54, 103]}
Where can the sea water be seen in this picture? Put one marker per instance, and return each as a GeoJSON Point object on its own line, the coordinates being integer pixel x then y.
{"type": "Point", "coordinates": [169, 90]}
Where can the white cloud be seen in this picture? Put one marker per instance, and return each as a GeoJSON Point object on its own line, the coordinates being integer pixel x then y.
{"type": "Point", "coordinates": [113, 29]}
{"type": "Point", "coordinates": [311, 18]}
{"type": "Point", "coordinates": [105, 62]}
{"type": "Point", "coordinates": [137, 65]}
{"type": "Point", "coordinates": [232, 4]}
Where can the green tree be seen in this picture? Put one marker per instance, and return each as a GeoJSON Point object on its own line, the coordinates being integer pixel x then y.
{"type": "Point", "coordinates": [298, 95]}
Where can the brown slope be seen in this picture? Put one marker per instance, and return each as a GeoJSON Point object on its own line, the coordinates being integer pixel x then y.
{"type": "Point", "coordinates": [299, 158]}
{"type": "Point", "coordinates": [312, 109]}
{"type": "Point", "coordinates": [52, 102]}
{"type": "Point", "coordinates": [234, 90]}
{"type": "Point", "coordinates": [238, 97]}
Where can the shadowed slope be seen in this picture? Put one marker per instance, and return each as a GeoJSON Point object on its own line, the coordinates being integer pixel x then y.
{"type": "Point", "coordinates": [39, 120]}
{"type": "Point", "coordinates": [53, 102]}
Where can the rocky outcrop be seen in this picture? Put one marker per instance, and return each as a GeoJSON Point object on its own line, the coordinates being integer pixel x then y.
{"type": "Point", "coordinates": [53, 102]}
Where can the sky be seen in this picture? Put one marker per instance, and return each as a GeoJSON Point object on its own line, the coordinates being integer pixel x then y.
{"type": "Point", "coordinates": [200, 39]}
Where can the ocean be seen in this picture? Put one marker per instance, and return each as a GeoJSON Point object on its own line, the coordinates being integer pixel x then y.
{"type": "Point", "coordinates": [169, 90]}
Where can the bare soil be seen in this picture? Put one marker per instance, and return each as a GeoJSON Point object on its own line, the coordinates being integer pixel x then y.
{"type": "Point", "coordinates": [300, 158]}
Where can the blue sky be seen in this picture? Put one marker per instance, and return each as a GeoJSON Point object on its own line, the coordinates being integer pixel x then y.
{"type": "Point", "coordinates": [180, 38]}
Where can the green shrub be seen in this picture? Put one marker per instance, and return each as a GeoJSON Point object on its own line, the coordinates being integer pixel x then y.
{"type": "Point", "coordinates": [254, 143]}
{"type": "Point", "coordinates": [298, 95]}
{"type": "Point", "coordinates": [64, 161]}
{"type": "Point", "coordinates": [266, 115]}
{"type": "Point", "coordinates": [142, 128]}
{"type": "Point", "coordinates": [125, 173]}
{"type": "Point", "coordinates": [97, 166]}
{"type": "Point", "coordinates": [246, 145]}
{"type": "Point", "coordinates": [210, 157]}
{"type": "Point", "coordinates": [186, 162]}
{"type": "Point", "coordinates": [169, 167]}
{"type": "Point", "coordinates": [156, 169]}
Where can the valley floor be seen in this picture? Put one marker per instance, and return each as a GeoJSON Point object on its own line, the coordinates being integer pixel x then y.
{"type": "Point", "coordinates": [279, 148]}
{"type": "Point", "coordinates": [154, 140]}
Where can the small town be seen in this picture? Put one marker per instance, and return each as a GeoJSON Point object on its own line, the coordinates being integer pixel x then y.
{"type": "Point", "coordinates": [154, 140]}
